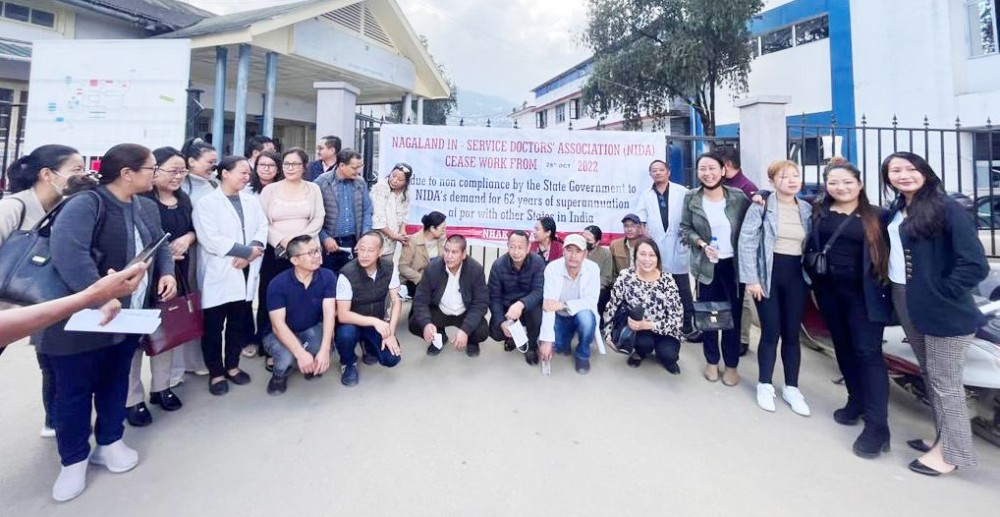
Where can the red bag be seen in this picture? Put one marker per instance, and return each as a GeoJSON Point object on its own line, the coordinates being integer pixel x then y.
{"type": "Point", "coordinates": [180, 322]}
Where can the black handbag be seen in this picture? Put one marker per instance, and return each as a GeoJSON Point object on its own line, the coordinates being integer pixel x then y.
{"type": "Point", "coordinates": [27, 275]}
{"type": "Point", "coordinates": [713, 316]}
{"type": "Point", "coordinates": [815, 261]}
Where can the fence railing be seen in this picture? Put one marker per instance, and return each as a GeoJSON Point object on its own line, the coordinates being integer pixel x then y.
{"type": "Point", "coordinates": [12, 116]}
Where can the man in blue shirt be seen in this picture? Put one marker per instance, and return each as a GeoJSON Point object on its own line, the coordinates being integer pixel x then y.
{"type": "Point", "coordinates": [326, 151]}
{"type": "Point", "coordinates": [348, 209]}
{"type": "Point", "coordinates": [302, 305]}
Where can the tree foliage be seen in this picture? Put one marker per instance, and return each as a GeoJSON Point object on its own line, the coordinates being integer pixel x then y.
{"type": "Point", "coordinates": [649, 51]}
{"type": "Point", "coordinates": [435, 111]}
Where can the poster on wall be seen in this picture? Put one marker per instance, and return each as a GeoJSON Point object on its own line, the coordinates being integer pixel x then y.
{"type": "Point", "coordinates": [491, 181]}
{"type": "Point", "coordinates": [94, 94]}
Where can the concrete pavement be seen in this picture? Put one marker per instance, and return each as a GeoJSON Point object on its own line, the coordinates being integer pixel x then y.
{"type": "Point", "coordinates": [450, 435]}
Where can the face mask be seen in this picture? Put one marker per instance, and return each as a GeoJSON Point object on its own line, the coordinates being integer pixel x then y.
{"type": "Point", "coordinates": [590, 247]}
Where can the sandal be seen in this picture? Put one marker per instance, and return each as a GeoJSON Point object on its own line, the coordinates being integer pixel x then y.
{"type": "Point", "coordinates": [249, 351]}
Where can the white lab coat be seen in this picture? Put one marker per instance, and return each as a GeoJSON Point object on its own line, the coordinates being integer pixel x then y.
{"type": "Point", "coordinates": [218, 228]}
{"type": "Point", "coordinates": [590, 291]}
{"type": "Point", "coordinates": [674, 254]}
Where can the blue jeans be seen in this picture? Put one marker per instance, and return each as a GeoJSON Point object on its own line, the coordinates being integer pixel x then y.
{"type": "Point", "coordinates": [97, 380]}
{"type": "Point", "coordinates": [284, 361]}
{"type": "Point", "coordinates": [347, 337]}
{"type": "Point", "coordinates": [584, 324]}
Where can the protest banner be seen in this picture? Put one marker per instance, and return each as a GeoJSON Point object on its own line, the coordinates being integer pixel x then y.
{"type": "Point", "coordinates": [491, 181]}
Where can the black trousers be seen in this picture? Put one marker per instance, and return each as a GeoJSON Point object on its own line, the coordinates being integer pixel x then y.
{"type": "Point", "coordinates": [602, 305]}
{"type": "Point", "coordinates": [724, 288]}
{"type": "Point", "coordinates": [666, 348]}
{"type": "Point", "coordinates": [232, 318]}
{"type": "Point", "coordinates": [530, 318]}
{"type": "Point", "coordinates": [780, 318]}
{"type": "Point", "coordinates": [270, 267]}
{"type": "Point", "coordinates": [857, 342]}
{"type": "Point", "coordinates": [683, 282]}
{"type": "Point", "coordinates": [442, 320]}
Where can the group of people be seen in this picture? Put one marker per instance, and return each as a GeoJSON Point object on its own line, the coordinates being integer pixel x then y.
{"type": "Point", "coordinates": [330, 265]}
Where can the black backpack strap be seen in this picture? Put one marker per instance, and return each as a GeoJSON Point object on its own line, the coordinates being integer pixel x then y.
{"type": "Point", "coordinates": [24, 213]}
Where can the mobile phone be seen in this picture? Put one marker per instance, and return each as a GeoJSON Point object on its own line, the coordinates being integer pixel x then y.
{"type": "Point", "coordinates": [147, 253]}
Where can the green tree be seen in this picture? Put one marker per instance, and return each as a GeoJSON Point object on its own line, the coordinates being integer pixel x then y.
{"type": "Point", "coordinates": [649, 51]}
{"type": "Point", "coordinates": [435, 111]}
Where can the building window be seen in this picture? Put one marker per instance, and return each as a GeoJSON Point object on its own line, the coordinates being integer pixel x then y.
{"type": "Point", "coordinates": [560, 113]}
{"type": "Point", "coordinates": [574, 109]}
{"type": "Point", "coordinates": [541, 120]}
{"type": "Point", "coordinates": [22, 13]}
{"type": "Point", "coordinates": [812, 30]}
{"type": "Point", "coordinates": [982, 17]}
{"type": "Point", "coordinates": [776, 40]}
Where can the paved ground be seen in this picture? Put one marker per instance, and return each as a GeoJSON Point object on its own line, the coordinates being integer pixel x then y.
{"type": "Point", "coordinates": [450, 435]}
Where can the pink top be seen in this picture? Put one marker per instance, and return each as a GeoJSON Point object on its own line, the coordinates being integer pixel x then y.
{"type": "Point", "coordinates": [290, 219]}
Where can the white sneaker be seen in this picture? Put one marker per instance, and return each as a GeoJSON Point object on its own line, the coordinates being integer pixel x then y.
{"type": "Point", "coordinates": [47, 432]}
{"type": "Point", "coordinates": [200, 373]}
{"type": "Point", "coordinates": [71, 482]}
{"type": "Point", "coordinates": [765, 396]}
{"type": "Point", "coordinates": [117, 457]}
{"type": "Point", "coordinates": [794, 398]}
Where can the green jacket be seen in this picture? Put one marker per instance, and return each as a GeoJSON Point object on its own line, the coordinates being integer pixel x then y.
{"type": "Point", "coordinates": [695, 227]}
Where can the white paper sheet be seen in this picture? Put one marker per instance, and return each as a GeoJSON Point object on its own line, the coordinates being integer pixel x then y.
{"type": "Point", "coordinates": [438, 342]}
{"type": "Point", "coordinates": [129, 321]}
{"type": "Point", "coordinates": [517, 333]}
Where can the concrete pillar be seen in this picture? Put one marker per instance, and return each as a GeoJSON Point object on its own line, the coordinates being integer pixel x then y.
{"type": "Point", "coordinates": [270, 86]}
{"type": "Point", "coordinates": [420, 111]}
{"type": "Point", "coordinates": [763, 134]}
{"type": "Point", "coordinates": [219, 106]}
{"type": "Point", "coordinates": [240, 111]}
{"type": "Point", "coordinates": [336, 103]}
{"type": "Point", "coordinates": [407, 110]}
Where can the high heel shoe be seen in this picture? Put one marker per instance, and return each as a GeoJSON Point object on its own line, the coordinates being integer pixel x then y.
{"type": "Point", "coordinates": [918, 445]}
{"type": "Point", "coordinates": [871, 443]}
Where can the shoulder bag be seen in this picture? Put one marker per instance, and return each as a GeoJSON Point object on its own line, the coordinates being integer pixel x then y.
{"type": "Point", "coordinates": [815, 261]}
{"type": "Point", "coordinates": [181, 321]}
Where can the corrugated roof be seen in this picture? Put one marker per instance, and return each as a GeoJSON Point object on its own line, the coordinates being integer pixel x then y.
{"type": "Point", "coordinates": [173, 14]}
{"type": "Point", "coordinates": [16, 50]}
{"type": "Point", "coordinates": [238, 21]}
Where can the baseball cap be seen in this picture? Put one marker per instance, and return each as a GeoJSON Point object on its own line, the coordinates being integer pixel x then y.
{"type": "Point", "coordinates": [575, 240]}
{"type": "Point", "coordinates": [632, 217]}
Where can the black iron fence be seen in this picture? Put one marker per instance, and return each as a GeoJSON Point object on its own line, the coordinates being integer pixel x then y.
{"type": "Point", "coordinates": [967, 158]}
{"type": "Point", "coordinates": [683, 151]}
{"type": "Point", "coordinates": [12, 116]}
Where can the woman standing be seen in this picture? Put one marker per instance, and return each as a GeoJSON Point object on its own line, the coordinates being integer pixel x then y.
{"type": "Point", "coordinates": [423, 246]}
{"type": "Point", "coordinates": [266, 170]}
{"type": "Point", "coordinates": [91, 369]}
{"type": "Point", "coordinates": [175, 215]}
{"type": "Point", "coordinates": [853, 297]}
{"type": "Point", "coordinates": [935, 263]}
{"type": "Point", "coordinates": [39, 181]}
{"type": "Point", "coordinates": [390, 207]}
{"type": "Point", "coordinates": [770, 253]}
{"type": "Point", "coordinates": [546, 243]}
{"type": "Point", "coordinates": [232, 230]}
{"type": "Point", "coordinates": [710, 224]}
{"type": "Point", "coordinates": [646, 286]}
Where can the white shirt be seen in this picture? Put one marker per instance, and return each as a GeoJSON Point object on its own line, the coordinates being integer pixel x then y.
{"type": "Point", "coordinates": [451, 299]}
{"type": "Point", "coordinates": [722, 230]}
{"type": "Point", "coordinates": [345, 292]}
{"type": "Point", "coordinates": [897, 260]}
{"type": "Point", "coordinates": [589, 279]}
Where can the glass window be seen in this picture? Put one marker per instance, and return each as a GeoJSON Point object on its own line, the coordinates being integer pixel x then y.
{"type": "Point", "coordinates": [982, 18]}
{"type": "Point", "coordinates": [574, 109]}
{"type": "Point", "coordinates": [43, 18]}
{"type": "Point", "coordinates": [776, 40]}
{"type": "Point", "coordinates": [541, 119]}
{"type": "Point", "coordinates": [560, 113]}
{"type": "Point", "coordinates": [17, 12]}
{"type": "Point", "coordinates": [812, 30]}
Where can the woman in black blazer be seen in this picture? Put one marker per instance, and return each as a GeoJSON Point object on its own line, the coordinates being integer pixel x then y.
{"type": "Point", "coordinates": [935, 264]}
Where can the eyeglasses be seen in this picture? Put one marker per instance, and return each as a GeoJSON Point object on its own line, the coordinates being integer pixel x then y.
{"type": "Point", "coordinates": [402, 167]}
{"type": "Point", "coordinates": [267, 166]}
{"type": "Point", "coordinates": [312, 253]}
{"type": "Point", "coordinates": [173, 172]}
{"type": "Point", "coordinates": [296, 165]}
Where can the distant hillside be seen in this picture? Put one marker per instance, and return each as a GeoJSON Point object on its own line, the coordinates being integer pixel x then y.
{"type": "Point", "coordinates": [477, 108]}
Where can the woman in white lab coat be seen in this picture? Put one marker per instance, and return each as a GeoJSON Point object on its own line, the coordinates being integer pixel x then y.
{"type": "Point", "coordinates": [232, 232]}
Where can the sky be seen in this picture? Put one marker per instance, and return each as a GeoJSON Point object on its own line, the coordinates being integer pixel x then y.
{"type": "Point", "coordinates": [494, 47]}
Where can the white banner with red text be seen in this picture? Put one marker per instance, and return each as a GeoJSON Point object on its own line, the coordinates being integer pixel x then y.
{"type": "Point", "coordinates": [491, 181]}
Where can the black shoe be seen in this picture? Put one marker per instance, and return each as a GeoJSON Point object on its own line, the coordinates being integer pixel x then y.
{"type": "Point", "coordinates": [565, 351]}
{"type": "Point", "coordinates": [847, 416]}
{"type": "Point", "coordinates": [920, 468]}
{"type": "Point", "coordinates": [269, 364]}
{"type": "Point", "coordinates": [218, 388]}
{"type": "Point", "coordinates": [626, 348]}
{"type": "Point", "coordinates": [531, 357]}
{"type": "Point", "coordinates": [350, 375]}
{"type": "Point", "coordinates": [693, 337]}
{"type": "Point", "coordinates": [138, 415]}
{"type": "Point", "coordinates": [582, 366]}
{"type": "Point", "coordinates": [433, 350]}
{"type": "Point", "coordinates": [918, 445]}
{"type": "Point", "coordinates": [369, 359]}
{"type": "Point", "coordinates": [166, 399]}
{"type": "Point", "coordinates": [673, 367]}
{"type": "Point", "coordinates": [634, 361]}
{"type": "Point", "coordinates": [871, 443]}
{"type": "Point", "coordinates": [311, 376]}
{"type": "Point", "coordinates": [240, 379]}
{"type": "Point", "coordinates": [744, 349]}
{"type": "Point", "coordinates": [472, 350]}
{"type": "Point", "coordinates": [277, 385]}
{"type": "Point", "coordinates": [508, 345]}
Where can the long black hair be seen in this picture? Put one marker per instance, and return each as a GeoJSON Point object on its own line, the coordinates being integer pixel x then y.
{"type": "Point", "coordinates": [256, 185]}
{"type": "Point", "coordinates": [122, 156]}
{"type": "Point", "coordinates": [925, 213]}
{"type": "Point", "coordinates": [870, 218]}
{"type": "Point", "coordinates": [549, 225]}
{"type": "Point", "coordinates": [23, 173]}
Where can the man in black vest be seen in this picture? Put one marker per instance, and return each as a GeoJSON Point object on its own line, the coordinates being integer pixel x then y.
{"type": "Point", "coordinates": [453, 293]}
{"type": "Point", "coordinates": [362, 289]}
{"type": "Point", "coordinates": [516, 283]}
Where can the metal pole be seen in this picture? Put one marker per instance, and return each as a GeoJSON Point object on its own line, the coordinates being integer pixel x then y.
{"type": "Point", "coordinates": [271, 86]}
{"type": "Point", "coordinates": [240, 115]}
{"type": "Point", "coordinates": [219, 107]}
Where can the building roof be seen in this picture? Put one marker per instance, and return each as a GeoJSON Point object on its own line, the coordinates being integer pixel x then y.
{"type": "Point", "coordinates": [585, 63]}
{"type": "Point", "coordinates": [241, 20]}
{"type": "Point", "coordinates": [167, 14]}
